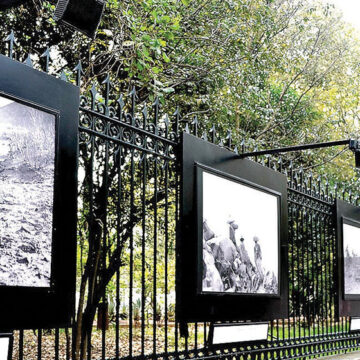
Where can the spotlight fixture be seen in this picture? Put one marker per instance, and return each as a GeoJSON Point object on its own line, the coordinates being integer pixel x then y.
{"type": "Point", "coordinates": [6, 344]}
{"type": "Point", "coordinates": [6, 4]}
{"type": "Point", "coordinates": [81, 15]}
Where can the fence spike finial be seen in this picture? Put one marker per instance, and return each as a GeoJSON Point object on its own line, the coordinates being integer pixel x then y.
{"type": "Point", "coordinates": [301, 176]}
{"type": "Point", "coordinates": [46, 55]}
{"type": "Point", "coordinates": [167, 124]}
{"type": "Point", "coordinates": [121, 104]}
{"type": "Point", "coordinates": [177, 120]}
{"type": "Point", "coordinates": [145, 116]}
{"type": "Point", "coordinates": [256, 149]}
{"type": "Point", "coordinates": [107, 84]}
{"type": "Point", "coordinates": [133, 104]}
{"type": "Point", "coordinates": [156, 106]}
{"type": "Point", "coordinates": [242, 144]}
{"type": "Point", "coordinates": [291, 173]}
{"type": "Point", "coordinates": [187, 128]}
{"type": "Point", "coordinates": [213, 134]}
{"type": "Point", "coordinates": [319, 185]}
{"type": "Point", "coordinates": [79, 71]}
{"type": "Point", "coordinates": [195, 123]}
{"type": "Point", "coordinates": [229, 138]}
{"type": "Point", "coordinates": [63, 76]}
{"type": "Point", "coordinates": [28, 61]}
{"type": "Point", "coordinates": [93, 93]}
{"type": "Point", "coordinates": [12, 41]}
{"type": "Point", "coordinates": [204, 136]}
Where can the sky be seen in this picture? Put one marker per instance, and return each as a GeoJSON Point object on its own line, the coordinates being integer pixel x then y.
{"type": "Point", "coordinates": [350, 9]}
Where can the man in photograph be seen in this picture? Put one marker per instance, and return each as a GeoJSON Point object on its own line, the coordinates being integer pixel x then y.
{"type": "Point", "coordinates": [245, 259]}
{"type": "Point", "coordinates": [258, 258]}
{"type": "Point", "coordinates": [232, 227]}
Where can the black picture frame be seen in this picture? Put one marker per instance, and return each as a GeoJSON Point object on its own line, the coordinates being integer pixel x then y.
{"type": "Point", "coordinates": [347, 304]}
{"type": "Point", "coordinates": [53, 306]}
{"type": "Point", "coordinates": [192, 306]}
{"type": "Point", "coordinates": [210, 341]}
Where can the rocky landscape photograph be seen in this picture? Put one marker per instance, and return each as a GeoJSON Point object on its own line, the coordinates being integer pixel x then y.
{"type": "Point", "coordinates": [27, 163]}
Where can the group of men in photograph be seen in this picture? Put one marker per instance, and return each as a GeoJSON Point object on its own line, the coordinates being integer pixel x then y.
{"type": "Point", "coordinates": [227, 266]}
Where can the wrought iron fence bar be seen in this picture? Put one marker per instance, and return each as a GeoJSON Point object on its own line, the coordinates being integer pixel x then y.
{"type": "Point", "coordinates": [105, 246]}
{"type": "Point", "coordinates": [143, 251]}
{"type": "Point", "coordinates": [90, 198]}
{"type": "Point", "coordinates": [128, 126]}
{"type": "Point", "coordinates": [131, 246]}
{"type": "Point", "coordinates": [166, 255]}
{"type": "Point", "coordinates": [298, 203]}
{"type": "Point", "coordinates": [312, 230]}
{"type": "Point", "coordinates": [117, 161]}
{"type": "Point", "coordinates": [124, 143]}
{"type": "Point", "coordinates": [57, 333]}
{"type": "Point", "coordinates": [155, 238]}
{"type": "Point", "coordinates": [39, 346]}
{"type": "Point", "coordinates": [21, 344]}
{"type": "Point", "coordinates": [322, 280]}
{"type": "Point", "coordinates": [298, 241]}
{"type": "Point", "coordinates": [308, 271]}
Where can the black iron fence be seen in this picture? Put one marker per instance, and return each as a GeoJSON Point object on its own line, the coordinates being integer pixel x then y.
{"type": "Point", "coordinates": [128, 212]}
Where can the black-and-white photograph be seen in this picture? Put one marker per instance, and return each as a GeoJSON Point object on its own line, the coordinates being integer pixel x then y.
{"type": "Point", "coordinates": [240, 238]}
{"type": "Point", "coordinates": [27, 163]}
{"type": "Point", "coordinates": [351, 246]}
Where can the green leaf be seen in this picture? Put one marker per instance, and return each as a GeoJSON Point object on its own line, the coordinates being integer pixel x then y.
{"type": "Point", "coordinates": [165, 57]}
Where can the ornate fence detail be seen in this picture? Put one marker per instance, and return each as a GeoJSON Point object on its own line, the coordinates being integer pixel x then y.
{"type": "Point", "coordinates": [128, 211]}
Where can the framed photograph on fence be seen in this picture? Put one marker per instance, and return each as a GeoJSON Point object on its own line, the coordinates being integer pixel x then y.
{"type": "Point", "coordinates": [27, 167]}
{"type": "Point", "coordinates": [238, 255]}
{"type": "Point", "coordinates": [232, 243]}
{"type": "Point", "coordinates": [38, 195]}
{"type": "Point", "coordinates": [348, 259]}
